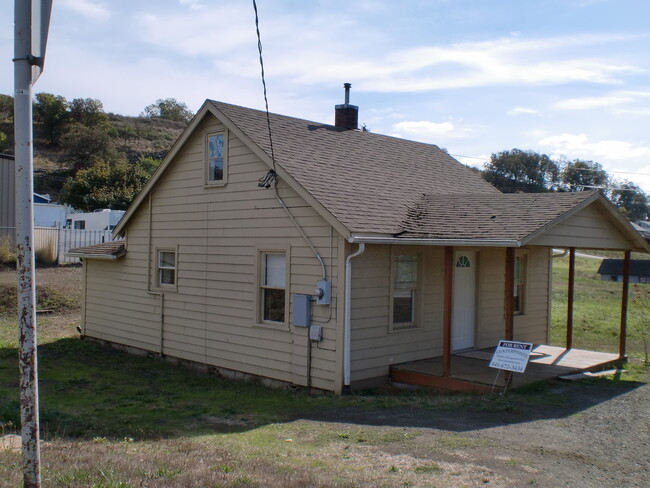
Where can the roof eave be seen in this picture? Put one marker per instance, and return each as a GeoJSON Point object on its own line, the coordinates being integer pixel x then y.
{"type": "Point", "coordinates": [375, 239]}
{"type": "Point", "coordinates": [103, 257]}
{"type": "Point", "coordinates": [187, 132]}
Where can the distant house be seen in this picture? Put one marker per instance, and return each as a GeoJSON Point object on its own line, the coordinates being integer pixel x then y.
{"type": "Point", "coordinates": [7, 198]}
{"type": "Point", "coordinates": [329, 258]}
{"type": "Point", "coordinates": [46, 213]}
{"type": "Point", "coordinates": [612, 270]}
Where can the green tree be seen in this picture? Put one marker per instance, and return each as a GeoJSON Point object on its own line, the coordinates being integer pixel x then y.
{"type": "Point", "coordinates": [89, 112]}
{"type": "Point", "coordinates": [631, 200]}
{"type": "Point", "coordinates": [3, 141]}
{"type": "Point", "coordinates": [583, 175]}
{"type": "Point", "coordinates": [87, 145]}
{"type": "Point", "coordinates": [107, 185]}
{"type": "Point", "coordinates": [6, 108]}
{"type": "Point", "coordinates": [517, 170]}
{"type": "Point", "coordinates": [169, 109]}
{"type": "Point", "coordinates": [50, 116]}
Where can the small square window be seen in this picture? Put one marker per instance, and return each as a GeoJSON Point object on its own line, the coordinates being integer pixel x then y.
{"type": "Point", "coordinates": [166, 268]}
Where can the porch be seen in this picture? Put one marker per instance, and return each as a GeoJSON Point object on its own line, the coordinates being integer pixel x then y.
{"type": "Point", "coordinates": [470, 370]}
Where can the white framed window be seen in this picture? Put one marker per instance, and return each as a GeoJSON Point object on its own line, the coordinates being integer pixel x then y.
{"type": "Point", "coordinates": [519, 285]}
{"type": "Point", "coordinates": [273, 295]}
{"type": "Point", "coordinates": [217, 158]}
{"type": "Point", "coordinates": [404, 290]}
{"type": "Point", "coordinates": [166, 267]}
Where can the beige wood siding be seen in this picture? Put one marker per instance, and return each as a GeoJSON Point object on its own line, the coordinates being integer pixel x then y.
{"type": "Point", "coordinates": [217, 231]}
{"type": "Point", "coordinates": [532, 325]}
{"type": "Point", "coordinates": [373, 346]}
{"type": "Point", "coordinates": [588, 228]}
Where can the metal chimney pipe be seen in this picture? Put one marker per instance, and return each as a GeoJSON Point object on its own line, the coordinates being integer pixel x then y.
{"type": "Point", "coordinates": [347, 87]}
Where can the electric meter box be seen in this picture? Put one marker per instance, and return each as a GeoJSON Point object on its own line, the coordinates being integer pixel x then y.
{"type": "Point", "coordinates": [301, 310]}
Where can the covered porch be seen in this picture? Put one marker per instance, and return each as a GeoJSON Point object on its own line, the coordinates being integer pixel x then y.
{"type": "Point", "coordinates": [469, 370]}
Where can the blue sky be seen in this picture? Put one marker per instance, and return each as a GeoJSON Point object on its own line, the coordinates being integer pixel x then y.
{"type": "Point", "coordinates": [569, 78]}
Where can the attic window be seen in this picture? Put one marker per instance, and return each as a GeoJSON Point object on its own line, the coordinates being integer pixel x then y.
{"type": "Point", "coordinates": [217, 158]}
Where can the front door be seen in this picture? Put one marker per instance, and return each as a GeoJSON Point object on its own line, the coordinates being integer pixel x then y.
{"type": "Point", "coordinates": [463, 319]}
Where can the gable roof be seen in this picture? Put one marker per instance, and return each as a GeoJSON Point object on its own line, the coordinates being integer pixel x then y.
{"type": "Point", "coordinates": [371, 186]}
{"type": "Point", "coordinates": [360, 180]}
{"type": "Point", "coordinates": [505, 216]}
{"type": "Point", "coordinates": [364, 179]}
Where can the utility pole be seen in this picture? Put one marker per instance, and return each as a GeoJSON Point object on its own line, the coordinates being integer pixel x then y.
{"type": "Point", "coordinates": [31, 24]}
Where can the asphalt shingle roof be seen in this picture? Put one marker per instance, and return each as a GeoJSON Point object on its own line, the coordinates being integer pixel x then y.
{"type": "Point", "coordinates": [109, 250]}
{"type": "Point", "coordinates": [500, 216]}
{"type": "Point", "coordinates": [364, 180]}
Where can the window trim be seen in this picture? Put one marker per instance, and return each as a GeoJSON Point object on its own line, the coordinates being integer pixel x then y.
{"type": "Point", "coordinates": [158, 283]}
{"type": "Point", "coordinates": [521, 284]}
{"type": "Point", "coordinates": [417, 296]}
{"type": "Point", "coordinates": [224, 180]}
{"type": "Point", "coordinates": [259, 308]}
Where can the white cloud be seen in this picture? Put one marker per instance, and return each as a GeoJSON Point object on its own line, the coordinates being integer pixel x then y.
{"type": "Point", "coordinates": [579, 146]}
{"type": "Point", "coordinates": [507, 61]}
{"type": "Point", "coordinates": [427, 131]}
{"type": "Point", "coordinates": [193, 4]}
{"type": "Point", "coordinates": [88, 9]}
{"type": "Point", "coordinates": [523, 111]}
{"type": "Point", "coordinates": [611, 100]}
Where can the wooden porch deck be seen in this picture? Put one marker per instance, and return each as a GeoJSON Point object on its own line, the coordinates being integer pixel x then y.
{"type": "Point", "coordinates": [470, 370]}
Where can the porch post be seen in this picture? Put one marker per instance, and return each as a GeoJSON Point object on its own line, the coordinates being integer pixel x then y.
{"type": "Point", "coordinates": [624, 300]}
{"type": "Point", "coordinates": [447, 302]}
{"type": "Point", "coordinates": [509, 296]}
{"type": "Point", "coordinates": [570, 297]}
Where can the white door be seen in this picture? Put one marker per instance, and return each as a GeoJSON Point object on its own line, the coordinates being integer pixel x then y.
{"type": "Point", "coordinates": [463, 319]}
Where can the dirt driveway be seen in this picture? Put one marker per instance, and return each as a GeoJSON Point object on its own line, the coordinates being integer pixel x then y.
{"type": "Point", "coordinates": [591, 435]}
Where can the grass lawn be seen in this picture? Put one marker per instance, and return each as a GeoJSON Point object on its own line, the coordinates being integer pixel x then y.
{"type": "Point", "coordinates": [597, 308]}
{"type": "Point", "coordinates": [113, 420]}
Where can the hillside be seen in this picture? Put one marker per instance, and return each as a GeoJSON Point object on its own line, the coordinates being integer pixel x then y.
{"type": "Point", "coordinates": [72, 136]}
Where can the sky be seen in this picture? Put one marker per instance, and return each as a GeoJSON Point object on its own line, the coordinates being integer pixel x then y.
{"type": "Point", "coordinates": [567, 78]}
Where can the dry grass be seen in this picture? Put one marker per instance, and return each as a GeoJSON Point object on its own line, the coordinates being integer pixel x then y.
{"type": "Point", "coordinates": [111, 420]}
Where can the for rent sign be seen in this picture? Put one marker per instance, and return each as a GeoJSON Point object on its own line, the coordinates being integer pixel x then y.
{"type": "Point", "coordinates": [511, 356]}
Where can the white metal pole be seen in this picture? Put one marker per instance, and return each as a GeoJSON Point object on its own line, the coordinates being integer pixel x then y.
{"type": "Point", "coordinates": [24, 243]}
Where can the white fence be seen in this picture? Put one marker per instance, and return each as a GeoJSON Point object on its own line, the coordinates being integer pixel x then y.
{"type": "Point", "coordinates": [72, 238]}
{"type": "Point", "coordinates": [52, 243]}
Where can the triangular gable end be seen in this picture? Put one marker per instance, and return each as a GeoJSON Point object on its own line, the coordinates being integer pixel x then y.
{"type": "Point", "coordinates": [209, 109]}
{"type": "Point", "coordinates": [596, 224]}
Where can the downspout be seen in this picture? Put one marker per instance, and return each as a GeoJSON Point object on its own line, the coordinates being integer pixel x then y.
{"type": "Point", "coordinates": [149, 290]}
{"type": "Point", "coordinates": [348, 308]}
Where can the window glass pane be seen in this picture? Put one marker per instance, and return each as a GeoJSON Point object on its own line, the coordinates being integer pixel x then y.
{"type": "Point", "coordinates": [403, 308]}
{"type": "Point", "coordinates": [216, 169]}
{"type": "Point", "coordinates": [406, 270]}
{"type": "Point", "coordinates": [273, 305]}
{"type": "Point", "coordinates": [215, 146]}
{"type": "Point", "coordinates": [167, 276]}
{"type": "Point", "coordinates": [215, 157]}
{"type": "Point", "coordinates": [167, 259]}
{"type": "Point", "coordinates": [274, 270]}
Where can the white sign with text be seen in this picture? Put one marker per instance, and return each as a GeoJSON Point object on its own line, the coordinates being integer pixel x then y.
{"type": "Point", "coordinates": [511, 356]}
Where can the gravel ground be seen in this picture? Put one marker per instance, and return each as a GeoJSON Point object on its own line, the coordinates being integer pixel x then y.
{"type": "Point", "coordinates": [586, 435]}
